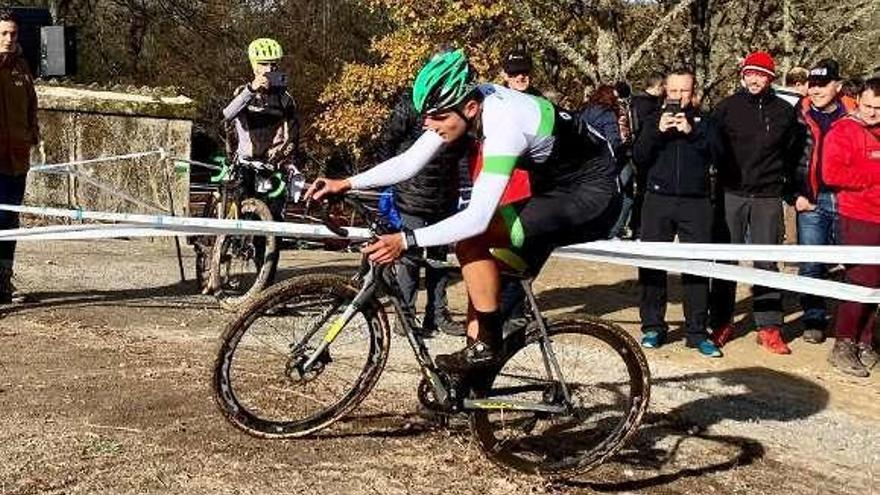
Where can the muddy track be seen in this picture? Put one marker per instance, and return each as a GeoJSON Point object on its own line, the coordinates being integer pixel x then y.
{"type": "Point", "coordinates": [107, 388]}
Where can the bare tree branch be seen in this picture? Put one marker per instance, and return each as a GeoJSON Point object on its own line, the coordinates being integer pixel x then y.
{"type": "Point", "coordinates": [554, 40]}
{"type": "Point", "coordinates": [651, 40]}
{"type": "Point", "coordinates": [858, 13]}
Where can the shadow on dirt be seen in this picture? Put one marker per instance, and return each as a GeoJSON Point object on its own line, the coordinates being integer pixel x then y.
{"type": "Point", "coordinates": [396, 425]}
{"type": "Point", "coordinates": [660, 453]}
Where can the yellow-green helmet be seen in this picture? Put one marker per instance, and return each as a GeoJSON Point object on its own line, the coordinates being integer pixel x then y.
{"type": "Point", "coordinates": [444, 82]}
{"type": "Point", "coordinates": [264, 50]}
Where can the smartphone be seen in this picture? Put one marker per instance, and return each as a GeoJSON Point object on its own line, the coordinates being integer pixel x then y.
{"type": "Point", "coordinates": [277, 79]}
{"type": "Point", "coordinates": [672, 106]}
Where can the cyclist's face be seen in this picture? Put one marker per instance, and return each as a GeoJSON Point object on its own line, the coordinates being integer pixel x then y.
{"type": "Point", "coordinates": [451, 125]}
{"type": "Point", "coordinates": [261, 68]}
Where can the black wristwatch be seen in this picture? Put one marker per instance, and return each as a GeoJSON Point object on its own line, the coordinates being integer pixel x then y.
{"type": "Point", "coordinates": [409, 238]}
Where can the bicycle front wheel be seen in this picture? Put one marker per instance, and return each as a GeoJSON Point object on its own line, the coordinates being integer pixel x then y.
{"type": "Point", "coordinates": [608, 380]}
{"type": "Point", "coordinates": [271, 378]}
{"type": "Point", "coordinates": [244, 264]}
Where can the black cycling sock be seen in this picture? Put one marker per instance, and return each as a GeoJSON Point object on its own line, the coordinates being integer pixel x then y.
{"type": "Point", "coordinates": [490, 328]}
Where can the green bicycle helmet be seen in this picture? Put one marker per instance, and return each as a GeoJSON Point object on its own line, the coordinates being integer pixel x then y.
{"type": "Point", "coordinates": [264, 50]}
{"type": "Point", "coordinates": [444, 82]}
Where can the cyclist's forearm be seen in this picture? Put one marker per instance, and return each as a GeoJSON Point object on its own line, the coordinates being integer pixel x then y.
{"type": "Point", "coordinates": [238, 104]}
{"type": "Point", "coordinates": [473, 220]}
{"type": "Point", "coordinates": [401, 167]}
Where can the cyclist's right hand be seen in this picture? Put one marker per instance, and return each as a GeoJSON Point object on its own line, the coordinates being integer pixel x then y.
{"type": "Point", "coordinates": [323, 187]}
{"type": "Point", "coordinates": [260, 82]}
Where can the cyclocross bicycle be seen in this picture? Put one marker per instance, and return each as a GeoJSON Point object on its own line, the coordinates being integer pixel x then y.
{"type": "Point", "coordinates": [564, 396]}
{"type": "Point", "coordinates": [236, 267]}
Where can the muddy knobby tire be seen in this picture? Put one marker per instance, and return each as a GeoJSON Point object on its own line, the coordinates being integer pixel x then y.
{"type": "Point", "coordinates": [277, 300]}
{"type": "Point", "coordinates": [609, 341]}
{"type": "Point", "coordinates": [232, 300]}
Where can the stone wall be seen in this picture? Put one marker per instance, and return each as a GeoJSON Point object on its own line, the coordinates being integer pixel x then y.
{"type": "Point", "coordinates": [86, 123]}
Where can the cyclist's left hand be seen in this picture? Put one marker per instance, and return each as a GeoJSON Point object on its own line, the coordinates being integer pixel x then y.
{"type": "Point", "coordinates": [385, 250]}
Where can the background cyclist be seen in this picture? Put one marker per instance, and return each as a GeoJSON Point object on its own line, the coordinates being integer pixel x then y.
{"type": "Point", "coordinates": [261, 120]}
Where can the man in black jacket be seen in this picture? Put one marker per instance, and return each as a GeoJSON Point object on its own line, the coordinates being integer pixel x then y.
{"type": "Point", "coordinates": [763, 143]}
{"type": "Point", "coordinates": [676, 148]}
{"type": "Point", "coordinates": [426, 199]}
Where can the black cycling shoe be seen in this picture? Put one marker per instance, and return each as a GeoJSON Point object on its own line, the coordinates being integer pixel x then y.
{"type": "Point", "coordinates": [475, 356]}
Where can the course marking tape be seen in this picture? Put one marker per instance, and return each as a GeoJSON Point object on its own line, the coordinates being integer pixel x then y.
{"type": "Point", "coordinates": [129, 156]}
{"type": "Point", "coordinates": [673, 257]}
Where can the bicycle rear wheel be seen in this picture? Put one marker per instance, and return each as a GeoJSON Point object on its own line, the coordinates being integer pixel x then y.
{"type": "Point", "coordinates": [244, 264]}
{"type": "Point", "coordinates": [609, 382]}
{"type": "Point", "coordinates": [259, 378]}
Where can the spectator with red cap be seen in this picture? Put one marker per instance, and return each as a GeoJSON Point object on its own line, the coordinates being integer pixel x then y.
{"type": "Point", "coordinates": [851, 165]}
{"type": "Point", "coordinates": [763, 143]}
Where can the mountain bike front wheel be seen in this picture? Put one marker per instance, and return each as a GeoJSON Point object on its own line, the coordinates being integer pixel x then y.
{"type": "Point", "coordinates": [244, 264]}
{"type": "Point", "coordinates": [291, 364]}
{"type": "Point", "coordinates": [606, 395]}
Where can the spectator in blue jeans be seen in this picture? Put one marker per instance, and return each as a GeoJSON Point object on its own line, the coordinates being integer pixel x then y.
{"type": "Point", "coordinates": [816, 204]}
{"type": "Point", "coordinates": [18, 122]}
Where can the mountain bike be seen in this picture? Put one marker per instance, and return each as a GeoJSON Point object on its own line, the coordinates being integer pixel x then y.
{"type": "Point", "coordinates": [236, 267]}
{"type": "Point", "coordinates": [564, 395]}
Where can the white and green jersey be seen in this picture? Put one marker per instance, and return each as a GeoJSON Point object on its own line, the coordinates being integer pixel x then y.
{"type": "Point", "coordinates": [518, 130]}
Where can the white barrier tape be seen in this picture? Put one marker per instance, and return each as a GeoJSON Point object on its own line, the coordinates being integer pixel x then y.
{"type": "Point", "coordinates": [608, 252]}
{"type": "Point", "coordinates": [735, 273]}
{"type": "Point", "coordinates": [130, 156]}
{"type": "Point", "coordinates": [194, 224]}
{"type": "Point", "coordinates": [869, 255]}
{"type": "Point", "coordinates": [109, 189]}
{"type": "Point", "coordinates": [92, 232]}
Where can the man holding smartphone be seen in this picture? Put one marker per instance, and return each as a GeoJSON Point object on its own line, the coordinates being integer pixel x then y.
{"type": "Point", "coordinates": [676, 148]}
{"type": "Point", "coordinates": [262, 123]}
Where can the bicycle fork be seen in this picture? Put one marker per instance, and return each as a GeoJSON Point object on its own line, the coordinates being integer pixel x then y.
{"type": "Point", "coordinates": [365, 294]}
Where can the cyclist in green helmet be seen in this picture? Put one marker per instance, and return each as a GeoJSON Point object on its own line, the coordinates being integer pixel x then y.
{"type": "Point", "coordinates": [575, 195]}
{"type": "Point", "coordinates": [261, 120]}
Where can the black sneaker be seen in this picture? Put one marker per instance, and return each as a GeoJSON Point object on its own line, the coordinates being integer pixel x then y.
{"type": "Point", "coordinates": [446, 325]}
{"type": "Point", "coordinates": [476, 355]}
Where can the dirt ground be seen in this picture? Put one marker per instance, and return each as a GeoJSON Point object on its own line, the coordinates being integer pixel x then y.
{"type": "Point", "coordinates": [106, 385]}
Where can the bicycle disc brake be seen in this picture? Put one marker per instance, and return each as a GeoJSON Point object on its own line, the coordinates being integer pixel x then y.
{"type": "Point", "coordinates": [295, 366]}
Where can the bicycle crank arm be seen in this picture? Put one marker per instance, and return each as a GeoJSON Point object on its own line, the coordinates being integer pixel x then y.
{"type": "Point", "coordinates": [516, 405]}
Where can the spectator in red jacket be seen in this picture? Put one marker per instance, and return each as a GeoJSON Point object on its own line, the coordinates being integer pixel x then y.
{"type": "Point", "coordinates": [851, 165]}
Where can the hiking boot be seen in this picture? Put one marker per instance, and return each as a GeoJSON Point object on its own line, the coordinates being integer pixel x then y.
{"type": "Point", "coordinates": [723, 335]}
{"type": "Point", "coordinates": [477, 355]}
{"type": "Point", "coordinates": [445, 324]}
{"type": "Point", "coordinates": [814, 335]}
{"type": "Point", "coordinates": [868, 356]}
{"type": "Point", "coordinates": [770, 338]}
{"type": "Point", "coordinates": [652, 339]}
{"type": "Point", "coordinates": [844, 357]}
{"type": "Point", "coordinates": [706, 348]}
